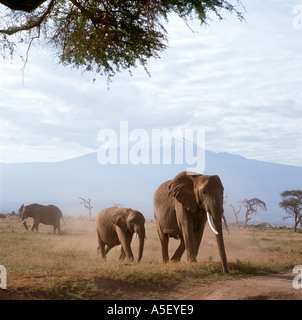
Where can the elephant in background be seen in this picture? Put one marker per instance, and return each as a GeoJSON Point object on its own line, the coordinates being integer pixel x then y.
{"type": "Point", "coordinates": [116, 226]}
{"type": "Point", "coordinates": [49, 215]}
{"type": "Point", "coordinates": [181, 208]}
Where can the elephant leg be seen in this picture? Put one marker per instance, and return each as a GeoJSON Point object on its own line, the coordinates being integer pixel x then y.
{"type": "Point", "coordinates": [164, 241]}
{"type": "Point", "coordinates": [35, 226]}
{"type": "Point", "coordinates": [130, 255]}
{"type": "Point", "coordinates": [188, 234]}
{"type": "Point", "coordinates": [125, 241]}
{"type": "Point", "coordinates": [199, 228]}
{"type": "Point", "coordinates": [57, 226]}
{"type": "Point", "coordinates": [180, 250]}
{"type": "Point", "coordinates": [108, 248]}
{"type": "Point", "coordinates": [122, 255]}
{"type": "Point", "coordinates": [101, 250]}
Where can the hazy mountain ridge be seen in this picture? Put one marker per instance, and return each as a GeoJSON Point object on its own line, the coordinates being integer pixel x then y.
{"type": "Point", "coordinates": [61, 183]}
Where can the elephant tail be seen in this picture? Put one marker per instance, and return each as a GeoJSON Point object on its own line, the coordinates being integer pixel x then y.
{"type": "Point", "coordinates": [99, 238]}
{"type": "Point", "coordinates": [63, 220]}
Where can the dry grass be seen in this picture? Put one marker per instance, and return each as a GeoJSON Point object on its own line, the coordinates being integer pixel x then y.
{"type": "Point", "coordinates": [47, 266]}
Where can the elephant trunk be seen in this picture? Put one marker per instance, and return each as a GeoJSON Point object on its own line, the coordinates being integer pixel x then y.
{"type": "Point", "coordinates": [23, 216]}
{"type": "Point", "coordinates": [220, 244]}
{"type": "Point", "coordinates": [216, 226]}
{"type": "Point", "coordinates": [221, 248]}
{"type": "Point", "coordinates": [141, 235]}
{"type": "Point", "coordinates": [24, 223]}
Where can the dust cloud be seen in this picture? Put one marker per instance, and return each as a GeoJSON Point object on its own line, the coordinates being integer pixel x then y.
{"type": "Point", "coordinates": [80, 234]}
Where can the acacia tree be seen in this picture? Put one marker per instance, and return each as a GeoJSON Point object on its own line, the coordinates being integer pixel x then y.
{"type": "Point", "coordinates": [236, 212]}
{"type": "Point", "coordinates": [104, 36]}
{"type": "Point", "coordinates": [252, 206]}
{"type": "Point", "coordinates": [87, 205]}
{"type": "Point", "coordinates": [292, 204]}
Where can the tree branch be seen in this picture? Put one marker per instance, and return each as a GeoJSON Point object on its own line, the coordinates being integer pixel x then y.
{"type": "Point", "coordinates": [30, 26]}
{"type": "Point", "coordinates": [94, 20]}
{"type": "Point", "coordinates": [87, 204]}
{"type": "Point", "coordinates": [27, 52]}
{"type": "Point", "coordinates": [22, 5]}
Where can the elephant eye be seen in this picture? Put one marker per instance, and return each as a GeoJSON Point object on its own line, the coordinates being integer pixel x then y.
{"type": "Point", "coordinates": [202, 193]}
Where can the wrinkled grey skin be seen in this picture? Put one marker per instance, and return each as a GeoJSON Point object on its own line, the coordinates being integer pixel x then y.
{"type": "Point", "coordinates": [180, 207]}
{"type": "Point", "coordinates": [49, 215]}
{"type": "Point", "coordinates": [116, 226]}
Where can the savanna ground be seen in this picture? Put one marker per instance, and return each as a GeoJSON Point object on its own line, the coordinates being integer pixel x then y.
{"type": "Point", "coordinates": [47, 266]}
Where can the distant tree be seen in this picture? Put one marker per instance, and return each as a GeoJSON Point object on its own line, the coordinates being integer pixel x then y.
{"type": "Point", "coordinates": [104, 36]}
{"type": "Point", "coordinates": [117, 204]}
{"type": "Point", "coordinates": [292, 204]}
{"type": "Point", "coordinates": [87, 205]}
{"type": "Point", "coordinates": [236, 212]}
{"type": "Point", "coordinates": [252, 206]}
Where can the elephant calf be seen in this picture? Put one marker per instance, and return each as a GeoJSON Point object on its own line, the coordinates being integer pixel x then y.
{"type": "Point", "coordinates": [116, 226]}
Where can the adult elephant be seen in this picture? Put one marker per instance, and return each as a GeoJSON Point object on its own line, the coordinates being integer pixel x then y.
{"type": "Point", "coordinates": [49, 215]}
{"type": "Point", "coordinates": [181, 209]}
{"type": "Point", "coordinates": [116, 226]}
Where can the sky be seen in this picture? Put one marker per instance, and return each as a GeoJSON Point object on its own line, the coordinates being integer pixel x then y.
{"type": "Point", "coordinates": [240, 81]}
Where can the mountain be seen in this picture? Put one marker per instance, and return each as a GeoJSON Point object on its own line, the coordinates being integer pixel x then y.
{"type": "Point", "coordinates": [62, 183]}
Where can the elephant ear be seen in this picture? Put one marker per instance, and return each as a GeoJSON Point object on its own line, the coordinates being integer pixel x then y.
{"type": "Point", "coordinates": [182, 188]}
{"type": "Point", "coordinates": [21, 209]}
{"type": "Point", "coordinates": [119, 219]}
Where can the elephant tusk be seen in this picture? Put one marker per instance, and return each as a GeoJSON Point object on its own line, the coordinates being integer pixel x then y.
{"type": "Point", "coordinates": [22, 223]}
{"type": "Point", "coordinates": [226, 224]}
{"type": "Point", "coordinates": [211, 223]}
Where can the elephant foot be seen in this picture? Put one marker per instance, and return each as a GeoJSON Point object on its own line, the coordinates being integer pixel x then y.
{"type": "Point", "coordinates": [131, 258]}
{"type": "Point", "coordinates": [173, 259]}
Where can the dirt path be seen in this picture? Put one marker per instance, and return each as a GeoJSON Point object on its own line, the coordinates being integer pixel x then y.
{"type": "Point", "coordinates": [272, 287]}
